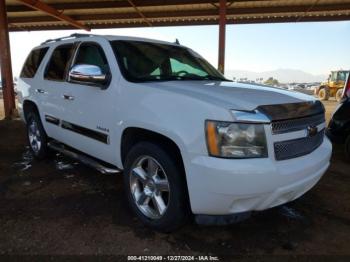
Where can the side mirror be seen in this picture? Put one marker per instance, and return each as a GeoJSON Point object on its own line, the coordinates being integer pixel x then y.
{"type": "Point", "coordinates": [87, 74]}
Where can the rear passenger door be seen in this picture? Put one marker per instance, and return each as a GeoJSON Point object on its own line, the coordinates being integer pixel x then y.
{"type": "Point", "coordinates": [88, 118]}
{"type": "Point", "coordinates": [30, 79]}
{"type": "Point", "coordinates": [52, 105]}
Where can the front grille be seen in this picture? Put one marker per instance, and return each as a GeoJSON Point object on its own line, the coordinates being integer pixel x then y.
{"type": "Point", "coordinates": [297, 147]}
{"type": "Point", "coordinates": [290, 125]}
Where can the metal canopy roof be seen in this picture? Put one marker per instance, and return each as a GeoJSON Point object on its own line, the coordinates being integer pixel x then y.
{"type": "Point", "coordinates": [140, 13]}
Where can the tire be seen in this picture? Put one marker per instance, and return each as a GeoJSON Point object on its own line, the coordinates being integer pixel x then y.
{"type": "Point", "coordinates": [316, 90]}
{"type": "Point", "coordinates": [36, 135]}
{"type": "Point", "coordinates": [347, 147]}
{"type": "Point", "coordinates": [147, 168]}
{"type": "Point", "coordinates": [323, 94]}
{"type": "Point", "coordinates": [338, 95]}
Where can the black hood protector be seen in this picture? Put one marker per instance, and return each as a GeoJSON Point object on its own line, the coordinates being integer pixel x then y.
{"type": "Point", "coordinates": [291, 111]}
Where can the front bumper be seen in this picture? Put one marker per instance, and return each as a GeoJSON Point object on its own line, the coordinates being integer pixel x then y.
{"type": "Point", "coordinates": [226, 186]}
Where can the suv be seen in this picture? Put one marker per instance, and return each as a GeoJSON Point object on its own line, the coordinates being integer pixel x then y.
{"type": "Point", "coordinates": [339, 127]}
{"type": "Point", "coordinates": [188, 140]}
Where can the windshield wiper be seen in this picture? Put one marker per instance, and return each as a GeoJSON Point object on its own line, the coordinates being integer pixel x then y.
{"type": "Point", "coordinates": [207, 77]}
{"type": "Point", "coordinates": [216, 78]}
{"type": "Point", "coordinates": [180, 78]}
{"type": "Point", "coordinates": [155, 78]}
{"type": "Point", "coordinates": [200, 78]}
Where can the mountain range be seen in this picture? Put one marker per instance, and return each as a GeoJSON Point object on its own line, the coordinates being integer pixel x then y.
{"type": "Point", "coordinates": [282, 75]}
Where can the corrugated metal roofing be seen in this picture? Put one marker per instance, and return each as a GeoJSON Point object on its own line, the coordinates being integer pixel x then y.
{"type": "Point", "coordinates": [120, 13]}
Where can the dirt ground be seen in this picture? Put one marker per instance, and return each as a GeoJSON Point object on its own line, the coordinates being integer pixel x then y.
{"type": "Point", "coordinates": [58, 207]}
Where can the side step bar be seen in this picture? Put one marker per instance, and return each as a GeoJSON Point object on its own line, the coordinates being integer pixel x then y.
{"type": "Point", "coordinates": [89, 161]}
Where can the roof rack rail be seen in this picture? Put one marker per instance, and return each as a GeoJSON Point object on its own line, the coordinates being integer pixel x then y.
{"type": "Point", "coordinates": [75, 35]}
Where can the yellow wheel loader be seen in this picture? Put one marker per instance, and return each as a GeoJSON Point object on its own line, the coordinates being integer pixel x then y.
{"type": "Point", "coordinates": [333, 87]}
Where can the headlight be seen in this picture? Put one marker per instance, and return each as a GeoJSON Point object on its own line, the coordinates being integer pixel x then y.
{"type": "Point", "coordinates": [235, 140]}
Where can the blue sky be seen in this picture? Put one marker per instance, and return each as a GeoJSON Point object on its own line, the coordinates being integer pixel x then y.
{"type": "Point", "coordinates": [315, 48]}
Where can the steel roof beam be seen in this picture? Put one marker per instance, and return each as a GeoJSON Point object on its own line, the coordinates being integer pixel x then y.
{"type": "Point", "coordinates": [118, 4]}
{"type": "Point", "coordinates": [189, 13]}
{"type": "Point", "coordinates": [139, 12]}
{"type": "Point", "coordinates": [40, 6]}
{"type": "Point", "coordinates": [186, 22]}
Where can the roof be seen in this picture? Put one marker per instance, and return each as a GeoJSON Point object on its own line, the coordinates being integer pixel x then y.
{"type": "Point", "coordinates": [141, 13]}
{"type": "Point", "coordinates": [86, 37]}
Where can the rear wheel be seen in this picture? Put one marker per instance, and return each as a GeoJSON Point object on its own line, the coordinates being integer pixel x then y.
{"type": "Point", "coordinates": [339, 94]}
{"type": "Point", "coordinates": [36, 134]}
{"type": "Point", "coordinates": [323, 94]}
{"type": "Point", "coordinates": [155, 187]}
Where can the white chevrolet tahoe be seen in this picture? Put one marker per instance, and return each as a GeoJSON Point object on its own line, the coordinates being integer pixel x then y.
{"type": "Point", "coordinates": [189, 141]}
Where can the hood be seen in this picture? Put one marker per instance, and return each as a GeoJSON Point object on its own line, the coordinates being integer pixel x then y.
{"type": "Point", "coordinates": [232, 95]}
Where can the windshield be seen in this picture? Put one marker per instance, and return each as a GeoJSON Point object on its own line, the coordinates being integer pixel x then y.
{"type": "Point", "coordinates": [145, 61]}
{"type": "Point", "coordinates": [342, 75]}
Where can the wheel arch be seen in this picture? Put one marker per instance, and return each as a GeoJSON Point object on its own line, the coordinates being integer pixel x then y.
{"type": "Point", "coordinates": [133, 135]}
{"type": "Point", "coordinates": [29, 105]}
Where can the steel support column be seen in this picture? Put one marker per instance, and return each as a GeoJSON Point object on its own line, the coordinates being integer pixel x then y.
{"type": "Point", "coordinates": [222, 35]}
{"type": "Point", "coordinates": [5, 64]}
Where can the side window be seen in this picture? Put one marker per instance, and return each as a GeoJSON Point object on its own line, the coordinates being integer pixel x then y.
{"type": "Point", "coordinates": [92, 54]}
{"type": "Point", "coordinates": [334, 76]}
{"type": "Point", "coordinates": [342, 76]}
{"type": "Point", "coordinates": [33, 62]}
{"type": "Point", "coordinates": [58, 64]}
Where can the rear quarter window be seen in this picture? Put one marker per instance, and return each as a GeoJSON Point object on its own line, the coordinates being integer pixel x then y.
{"type": "Point", "coordinates": [33, 62]}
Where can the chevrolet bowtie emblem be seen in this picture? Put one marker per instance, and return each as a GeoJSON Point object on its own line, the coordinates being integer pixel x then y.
{"type": "Point", "coordinates": [312, 131]}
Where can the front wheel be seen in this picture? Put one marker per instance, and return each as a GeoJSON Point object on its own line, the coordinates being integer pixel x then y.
{"type": "Point", "coordinates": [323, 94]}
{"type": "Point", "coordinates": [36, 134]}
{"type": "Point", "coordinates": [155, 187]}
{"type": "Point", "coordinates": [338, 95]}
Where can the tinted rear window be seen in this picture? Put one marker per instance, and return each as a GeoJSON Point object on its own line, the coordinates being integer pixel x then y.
{"type": "Point", "coordinates": [33, 62]}
{"type": "Point", "coordinates": [58, 64]}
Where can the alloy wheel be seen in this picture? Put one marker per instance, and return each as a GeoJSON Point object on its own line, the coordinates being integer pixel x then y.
{"type": "Point", "coordinates": [34, 137]}
{"type": "Point", "coordinates": [149, 187]}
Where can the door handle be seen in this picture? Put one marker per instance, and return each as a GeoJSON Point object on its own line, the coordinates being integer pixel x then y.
{"type": "Point", "coordinates": [68, 97]}
{"type": "Point", "coordinates": [40, 91]}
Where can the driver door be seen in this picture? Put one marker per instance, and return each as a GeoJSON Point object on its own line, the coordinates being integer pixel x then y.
{"type": "Point", "coordinates": [88, 120]}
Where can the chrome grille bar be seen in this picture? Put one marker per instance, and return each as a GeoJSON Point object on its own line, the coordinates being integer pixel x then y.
{"type": "Point", "coordinates": [297, 147]}
{"type": "Point", "coordinates": [296, 124]}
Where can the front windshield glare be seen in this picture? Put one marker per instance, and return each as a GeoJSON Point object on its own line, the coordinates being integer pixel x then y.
{"type": "Point", "coordinates": [145, 61]}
